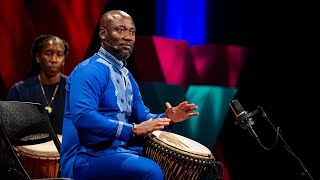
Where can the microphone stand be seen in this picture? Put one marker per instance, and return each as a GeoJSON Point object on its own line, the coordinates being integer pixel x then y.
{"type": "Point", "coordinates": [264, 115]}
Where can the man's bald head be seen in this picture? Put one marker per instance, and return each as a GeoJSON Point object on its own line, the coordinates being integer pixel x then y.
{"type": "Point", "coordinates": [112, 15]}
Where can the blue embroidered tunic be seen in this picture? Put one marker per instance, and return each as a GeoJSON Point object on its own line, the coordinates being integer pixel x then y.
{"type": "Point", "coordinates": [102, 102]}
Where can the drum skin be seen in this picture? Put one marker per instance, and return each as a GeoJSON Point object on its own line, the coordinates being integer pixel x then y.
{"type": "Point", "coordinates": [40, 160]}
{"type": "Point", "coordinates": [178, 156]}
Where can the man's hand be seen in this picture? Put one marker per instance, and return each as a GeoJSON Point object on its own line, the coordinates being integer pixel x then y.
{"type": "Point", "coordinates": [181, 112]}
{"type": "Point", "coordinates": [151, 125]}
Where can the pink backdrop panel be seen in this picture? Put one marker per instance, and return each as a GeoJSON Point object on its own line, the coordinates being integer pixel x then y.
{"type": "Point", "coordinates": [146, 60]}
{"type": "Point", "coordinates": [164, 59]}
{"type": "Point", "coordinates": [218, 64]}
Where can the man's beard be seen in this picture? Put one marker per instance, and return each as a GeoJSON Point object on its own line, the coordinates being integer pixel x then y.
{"type": "Point", "coordinates": [123, 56]}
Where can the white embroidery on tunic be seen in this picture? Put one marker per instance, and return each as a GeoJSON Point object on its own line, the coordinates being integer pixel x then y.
{"type": "Point", "coordinates": [123, 89]}
{"type": "Point", "coordinates": [119, 130]}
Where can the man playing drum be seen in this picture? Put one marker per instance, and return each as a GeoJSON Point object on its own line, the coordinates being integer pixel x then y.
{"type": "Point", "coordinates": [105, 112]}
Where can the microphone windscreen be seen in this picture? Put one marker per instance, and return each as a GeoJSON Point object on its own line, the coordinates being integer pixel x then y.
{"type": "Point", "coordinates": [236, 107]}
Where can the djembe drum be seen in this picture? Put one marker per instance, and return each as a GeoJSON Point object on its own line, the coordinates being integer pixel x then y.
{"type": "Point", "coordinates": [178, 156]}
{"type": "Point", "coordinates": [40, 160]}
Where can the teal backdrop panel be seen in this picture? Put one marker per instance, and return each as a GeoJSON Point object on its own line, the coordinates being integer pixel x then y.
{"type": "Point", "coordinates": [213, 106]}
{"type": "Point", "coordinates": [156, 94]}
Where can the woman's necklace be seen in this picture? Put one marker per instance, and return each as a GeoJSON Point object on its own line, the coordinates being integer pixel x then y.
{"type": "Point", "coordinates": [48, 107]}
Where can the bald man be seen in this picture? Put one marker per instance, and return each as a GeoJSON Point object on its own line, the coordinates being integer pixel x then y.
{"type": "Point", "coordinates": [105, 113]}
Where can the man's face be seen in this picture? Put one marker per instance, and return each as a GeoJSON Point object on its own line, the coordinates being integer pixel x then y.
{"type": "Point", "coordinates": [51, 57]}
{"type": "Point", "coordinates": [119, 37]}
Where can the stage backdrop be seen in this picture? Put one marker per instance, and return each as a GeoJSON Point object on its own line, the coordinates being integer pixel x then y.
{"type": "Point", "coordinates": [180, 59]}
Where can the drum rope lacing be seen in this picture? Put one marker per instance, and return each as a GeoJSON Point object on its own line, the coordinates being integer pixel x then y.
{"type": "Point", "coordinates": [217, 166]}
{"type": "Point", "coordinates": [209, 160]}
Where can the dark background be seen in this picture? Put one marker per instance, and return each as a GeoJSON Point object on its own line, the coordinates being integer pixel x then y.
{"type": "Point", "coordinates": [279, 75]}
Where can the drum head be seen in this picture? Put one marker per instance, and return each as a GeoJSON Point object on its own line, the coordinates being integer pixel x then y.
{"type": "Point", "coordinates": [47, 149]}
{"type": "Point", "coordinates": [182, 143]}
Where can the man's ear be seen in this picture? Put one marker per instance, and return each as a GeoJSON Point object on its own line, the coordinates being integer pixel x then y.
{"type": "Point", "coordinates": [102, 33]}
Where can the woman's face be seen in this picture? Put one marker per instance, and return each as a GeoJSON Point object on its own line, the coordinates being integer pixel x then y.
{"type": "Point", "coordinates": [51, 57]}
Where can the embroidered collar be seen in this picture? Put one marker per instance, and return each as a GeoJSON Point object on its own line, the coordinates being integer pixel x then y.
{"type": "Point", "coordinates": [111, 59]}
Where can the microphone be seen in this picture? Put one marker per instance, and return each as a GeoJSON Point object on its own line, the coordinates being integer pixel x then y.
{"type": "Point", "coordinates": [112, 46]}
{"type": "Point", "coordinates": [243, 118]}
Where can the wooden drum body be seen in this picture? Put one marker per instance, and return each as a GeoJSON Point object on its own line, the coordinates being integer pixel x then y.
{"type": "Point", "coordinates": [40, 160]}
{"type": "Point", "coordinates": [178, 156]}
